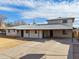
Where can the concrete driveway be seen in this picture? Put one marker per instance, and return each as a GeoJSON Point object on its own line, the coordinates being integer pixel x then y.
{"type": "Point", "coordinates": [40, 49]}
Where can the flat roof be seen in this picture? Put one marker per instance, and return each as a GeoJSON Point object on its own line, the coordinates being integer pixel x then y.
{"type": "Point", "coordinates": [41, 27]}
{"type": "Point", "coordinates": [60, 18]}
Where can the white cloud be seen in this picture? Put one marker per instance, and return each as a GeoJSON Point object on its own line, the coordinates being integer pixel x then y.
{"type": "Point", "coordinates": [6, 8]}
{"type": "Point", "coordinates": [9, 9]}
{"type": "Point", "coordinates": [48, 10]}
{"type": "Point", "coordinates": [44, 8]}
{"type": "Point", "coordinates": [3, 4]}
{"type": "Point", "coordinates": [17, 2]}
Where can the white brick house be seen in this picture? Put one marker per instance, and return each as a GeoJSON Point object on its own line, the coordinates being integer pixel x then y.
{"type": "Point", "coordinates": [56, 28]}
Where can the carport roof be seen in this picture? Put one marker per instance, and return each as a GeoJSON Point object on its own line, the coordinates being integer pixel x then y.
{"type": "Point", "coordinates": [41, 27]}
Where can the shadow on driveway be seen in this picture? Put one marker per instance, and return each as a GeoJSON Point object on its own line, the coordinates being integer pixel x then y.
{"type": "Point", "coordinates": [32, 56]}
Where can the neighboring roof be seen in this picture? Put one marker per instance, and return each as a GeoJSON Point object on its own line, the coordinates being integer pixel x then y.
{"type": "Point", "coordinates": [76, 29]}
{"type": "Point", "coordinates": [41, 27]}
{"type": "Point", "coordinates": [60, 18]}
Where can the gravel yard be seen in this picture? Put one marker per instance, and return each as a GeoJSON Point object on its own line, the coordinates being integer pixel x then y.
{"type": "Point", "coordinates": [6, 43]}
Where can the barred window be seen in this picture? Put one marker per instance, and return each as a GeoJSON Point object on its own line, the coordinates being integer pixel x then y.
{"type": "Point", "coordinates": [8, 31]}
{"type": "Point", "coordinates": [35, 31]}
{"type": "Point", "coordinates": [64, 21]}
{"type": "Point", "coordinates": [14, 30]}
{"type": "Point", "coordinates": [64, 32]}
{"type": "Point", "coordinates": [27, 31]}
{"type": "Point", "coordinates": [17, 31]}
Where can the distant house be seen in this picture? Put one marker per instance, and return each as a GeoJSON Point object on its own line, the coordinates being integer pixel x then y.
{"type": "Point", "coordinates": [76, 33]}
{"type": "Point", "coordinates": [55, 28]}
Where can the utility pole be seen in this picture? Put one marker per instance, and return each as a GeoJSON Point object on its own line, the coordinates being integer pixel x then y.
{"type": "Point", "coordinates": [33, 21]}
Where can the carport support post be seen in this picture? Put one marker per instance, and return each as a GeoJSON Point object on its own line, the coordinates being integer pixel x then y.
{"type": "Point", "coordinates": [72, 43]}
{"type": "Point", "coordinates": [72, 35]}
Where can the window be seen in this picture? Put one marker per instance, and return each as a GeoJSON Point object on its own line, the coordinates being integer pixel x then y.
{"type": "Point", "coordinates": [27, 31]}
{"type": "Point", "coordinates": [64, 32]}
{"type": "Point", "coordinates": [8, 31]}
{"type": "Point", "coordinates": [17, 31]}
{"type": "Point", "coordinates": [14, 30]}
{"type": "Point", "coordinates": [35, 31]}
{"type": "Point", "coordinates": [64, 21]}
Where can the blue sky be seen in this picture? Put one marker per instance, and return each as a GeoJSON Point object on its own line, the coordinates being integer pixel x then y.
{"type": "Point", "coordinates": [40, 10]}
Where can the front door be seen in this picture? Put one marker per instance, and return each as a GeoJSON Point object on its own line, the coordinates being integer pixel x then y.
{"type": "Point", "coordinates": [46, 34]}
{"type": "Point", "coordinates": [22, 33]}
{"type": "Point", "coordinates": [51, 33]}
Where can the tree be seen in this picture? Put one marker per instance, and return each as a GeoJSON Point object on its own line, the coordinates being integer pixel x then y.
{"type": "Point", "coordinates": [20, 22]}
{"type": "Point", "coordinates": [9, 24]}
{"type": "Point", "coordinates": [2, 19]}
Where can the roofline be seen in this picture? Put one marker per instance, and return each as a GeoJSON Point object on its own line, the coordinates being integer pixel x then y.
{"type": "Point", "coordinates": [61, 18]}
{"type": "Point", "coordinates": [41, 29]}
{"type": "Point", "coordinates": [37, 28]}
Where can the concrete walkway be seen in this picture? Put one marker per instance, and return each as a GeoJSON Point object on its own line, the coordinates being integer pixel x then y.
{"type": "Point", "coordinates": [52, 49]}
{"type": "Point", "coordinates": [75, 51]}
{"type": "Point", "coordinates": [75, 41]}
